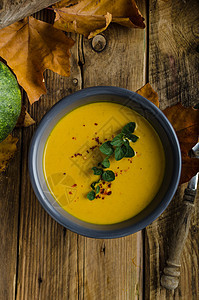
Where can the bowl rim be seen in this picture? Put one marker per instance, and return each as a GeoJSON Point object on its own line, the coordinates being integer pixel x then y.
{"type": "Point", "coordinates": [93, 233]}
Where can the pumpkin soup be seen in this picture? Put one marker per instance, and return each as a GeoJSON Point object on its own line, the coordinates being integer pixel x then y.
{"type": "Point", "coordinates": [73, 149]}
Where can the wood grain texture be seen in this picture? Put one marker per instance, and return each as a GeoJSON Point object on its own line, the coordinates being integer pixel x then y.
{"type": "Point", "coordinates": [113, 268]}
{"type": "Point", "coordinates": [14, 10]}
{"type": "Point", "coordinates": [158, 238]}
{"type": "Point", "coordinates": [173, 72]}
{"type": "Point", "coordinates": [121, 63]}
{"type": "Point", "coordinates": [173, 50]}
{"type": "Point", "coordinates": [9, 209]}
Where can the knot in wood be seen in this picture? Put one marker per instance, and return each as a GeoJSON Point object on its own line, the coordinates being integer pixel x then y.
{"type": "Point", "coordinates": [98, 43]}
{"type": "Point", "coordinates": [75, 81]}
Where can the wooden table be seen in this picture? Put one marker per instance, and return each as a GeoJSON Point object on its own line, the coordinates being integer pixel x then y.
{"type": "Point", "coordinates": [39, 259]}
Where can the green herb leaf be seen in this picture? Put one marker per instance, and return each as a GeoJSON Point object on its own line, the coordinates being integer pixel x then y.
{"type": "Point", "coordinates": [129, 151]}
{"type": "Point", "coordinates": [91, 195]}
{"type": "Point", "coordinates": [106, 148]}
{"type": "Point", "coordinates": [106, 163]}
{"type": "Point", "coordinates": [117, 140]}
{"type": "Point", "coordinates": [94, 184]}
{"type": "Point", "coordinates": [129, 128]}
{"type": "Point", "coordinates": [108, 175]}
{"type": "Point", "coordinates": [132, 137]}
{"type": "Point", "coordinates": [97, 189]}
{"type": "Point", "coordinates": [126, 143]}
{"type": "Point", "coordinates": [120, 144]}
{"type": "Point", "coordinates": [119, 153]}
{"type": "Point", "coordinates": [97, 171]}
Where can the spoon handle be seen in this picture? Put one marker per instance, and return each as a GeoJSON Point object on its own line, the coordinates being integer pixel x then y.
{"type": "Point", "coordinates": [171, 272]}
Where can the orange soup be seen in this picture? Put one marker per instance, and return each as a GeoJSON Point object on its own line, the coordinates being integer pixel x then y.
{"type": "Point", "coordinates": [72, 149]}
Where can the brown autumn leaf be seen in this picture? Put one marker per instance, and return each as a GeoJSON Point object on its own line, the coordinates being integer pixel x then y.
{"type": "Point", "coordinates": [185, 121]}
{"type": "Point", "coordinates": [148, 92]}
{"type": "Point", "coordinates": [90, 17]}
{"type": "Point", "coordinates": [24, 119]}
{"type": "Point", "coordinates": [7, 150]}
{"type": "Point", "coordinates": [30, 47]}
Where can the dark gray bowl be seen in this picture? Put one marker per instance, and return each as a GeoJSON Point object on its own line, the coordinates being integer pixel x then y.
{"type": "Point", "coordinates": [157, 120]}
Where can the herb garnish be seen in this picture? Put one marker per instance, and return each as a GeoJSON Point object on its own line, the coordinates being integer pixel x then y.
{"type": "Point", "coordinates": [120, 147]}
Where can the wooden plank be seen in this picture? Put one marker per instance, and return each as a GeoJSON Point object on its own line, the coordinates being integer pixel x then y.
{"type": "Point", "coordinates": [12, 10]}
{"type": "Point", "coordinates": [48, 253]}
{"type": "Point", "coordinates": [112, 269]}
{"type": "Point", "coordinates": [173, 52]}
{"type": "Point", "coordinates": [158, 238]}
{"type": "Point", "coordinates": [9, 209]}
{"type": "Point", "coordinates": [121, 63]}
{"type": "Point", "coordinates": [173, 72]}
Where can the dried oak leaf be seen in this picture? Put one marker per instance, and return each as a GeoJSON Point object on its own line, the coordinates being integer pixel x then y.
{"type": "Point", "coordinates": [7, 150]}
{"type": "Point", "coordinates": [148, 92]}
{"type": "Point", "coordinates": [185, 121]}
{"type": "Point", "coordinates": [30, 47]}
{"type": "Point", "coordinates": [90, 17]}
{"type": "Point", "coordinates": [24, 119]}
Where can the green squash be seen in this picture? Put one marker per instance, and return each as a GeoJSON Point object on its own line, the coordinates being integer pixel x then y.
{"type": "Point", "coordinates": [10, 101]}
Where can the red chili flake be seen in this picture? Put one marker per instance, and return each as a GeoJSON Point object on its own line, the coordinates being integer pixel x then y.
{"type": "Point", "coordinates": [76, 154]}
{"type": "Point", "coordinates": [74, 185]}
{"type": "Point", "coordinates": [116, 174]}
{"type": "Point", "coordinates": [87, 151]}
{"type": "Point", "coordinates": [70, 193]}
{"type": "Point", "coordinates": [95, 132]}
{"type": "Point", "coordinates": [93, 139]}
{"type": "Point", "coordinates": [92, 148]}
{"type": "Point", "coordinates": [105, 139]}
{"type": "Point", "coordinates": [109, 193]}
{"type": "Point", "coordinates": [102, 198]}
{"type": "Point", "coordinates": [95, 123]}
{"type": "Point", "coordinates": [74, 138]}
{"type": "Point", "coordinates": [97, 140]}
{"type": "Point", "coordinates": [100, 143]}
{"type": "Point", "coordinates": [72, 156]}
{"type": "Point", "coordinates": [84, 125]}
{"type": "Point", "coordinates": [103, 182]}
{"type": "Point", "coordinates": [109, 185]}
{"type": "Point", "coordinates": [97, 197]}
{"type": "Point", "coordinates": [118, 167]}
{"type": "Point", "coordinates": [102, 191]}
{"type": "Point", "coordinates": [64, 173]}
